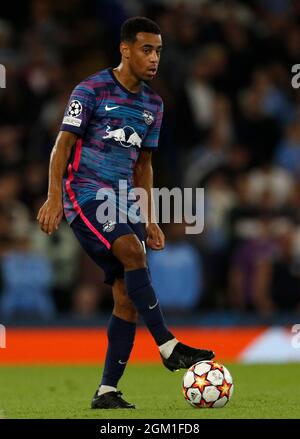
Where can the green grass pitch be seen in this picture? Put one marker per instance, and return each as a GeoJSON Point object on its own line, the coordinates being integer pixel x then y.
{"type": "Point", "coordinates": [45, 392]}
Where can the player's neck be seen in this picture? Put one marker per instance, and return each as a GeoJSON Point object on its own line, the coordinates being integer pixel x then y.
{"type": "Point", "coordinates": [127, 79]}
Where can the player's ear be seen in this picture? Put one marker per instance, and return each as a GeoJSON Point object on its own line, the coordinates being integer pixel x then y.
{"type": "Point", "coordinates": [124, 49]}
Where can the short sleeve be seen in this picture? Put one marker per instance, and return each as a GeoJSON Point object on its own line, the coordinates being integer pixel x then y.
{"type": "Point", "coordinates": [79, 109]}
{"type": "Point", "coordinates": [150, 142]}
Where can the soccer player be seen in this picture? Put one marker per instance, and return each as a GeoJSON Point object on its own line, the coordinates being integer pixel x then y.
{"type": "Point", "coordinates": [110, 128]}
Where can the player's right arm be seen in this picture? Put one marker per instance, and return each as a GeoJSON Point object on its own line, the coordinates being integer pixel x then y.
{"type": "Point", "coordinates": [51, 212]}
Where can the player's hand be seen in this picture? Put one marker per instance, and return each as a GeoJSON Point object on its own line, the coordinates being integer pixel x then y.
{"type": "Point", "coordinates": [50, 215]}
{"type": "Point", "coordinates": [156, 238]}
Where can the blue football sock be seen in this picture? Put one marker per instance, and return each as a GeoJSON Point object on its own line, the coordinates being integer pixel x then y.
{"type": "Point", "coordinates": [141, 292]}
{"type": "Point", "coordinates": [120, 342]}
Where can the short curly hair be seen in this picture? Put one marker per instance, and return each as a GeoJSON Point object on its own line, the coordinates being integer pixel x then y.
{"type": "Point", "coordinates": [134, 25]}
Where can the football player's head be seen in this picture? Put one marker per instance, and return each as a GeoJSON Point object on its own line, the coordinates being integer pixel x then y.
{"type": "Point", "coordinates": [141, 46]}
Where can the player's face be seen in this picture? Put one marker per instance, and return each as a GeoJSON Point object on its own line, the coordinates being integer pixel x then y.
{"type": "Point", "coordinates": [144, 54]}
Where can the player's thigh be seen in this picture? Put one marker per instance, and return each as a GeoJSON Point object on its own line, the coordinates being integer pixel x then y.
{"type": "Point", "coordinates": [97, 239]}
{"type": "Point", "coordinates": [97, 251]}
{"type": "Point", "coordinates": [130, 248]}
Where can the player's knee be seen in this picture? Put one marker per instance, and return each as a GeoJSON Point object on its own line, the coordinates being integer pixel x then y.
{"type": "Point", "coordinates": [130, 252]}
{"type": "Point", "coordinates": [134, 257]}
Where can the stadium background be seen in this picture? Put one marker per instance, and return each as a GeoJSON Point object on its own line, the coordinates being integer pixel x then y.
{"type": "Point", "coordinates": [231, 125]}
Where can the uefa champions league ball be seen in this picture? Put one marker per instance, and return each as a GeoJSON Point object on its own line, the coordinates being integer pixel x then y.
{"type": "Point", "coordinates": [207, 384]}
{"type": "Point", "coordinates": [75, 108]}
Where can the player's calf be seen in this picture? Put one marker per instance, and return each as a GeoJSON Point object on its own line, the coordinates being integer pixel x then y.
{"type": "Point", "coordinates": [125, 309]}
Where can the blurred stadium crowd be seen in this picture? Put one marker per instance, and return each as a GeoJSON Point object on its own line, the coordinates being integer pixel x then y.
{"type": "Point", "coordinates": [231, 125]}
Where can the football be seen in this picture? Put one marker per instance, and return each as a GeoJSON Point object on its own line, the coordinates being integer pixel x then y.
{"type": "Point", "coordinates": [207, 384]}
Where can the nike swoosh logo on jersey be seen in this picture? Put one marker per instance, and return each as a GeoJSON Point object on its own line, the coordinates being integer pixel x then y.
{"type": "Point", "coordinates": [153, 306]}
{"type": "Point", "coordinates": [107, 108]}
{"type": "Point", "coordinates": [122, 362]}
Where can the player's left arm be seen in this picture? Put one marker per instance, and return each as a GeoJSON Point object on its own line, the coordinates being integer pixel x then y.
{"type": "Point", "coordinates": [143, 178]}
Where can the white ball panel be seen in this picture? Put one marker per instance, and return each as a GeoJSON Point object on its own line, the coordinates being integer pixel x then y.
{"type": "Point", "coordinates": [227, 375]}
{"type": "Point", "coordinates": [211, 394]}
{"type": "Point", "coordinates": [215, 377]}
{"type": "Point", "coordinates": [194, 395]}
{"type": "Point", "coordinates": [202, 368]}
{"type": "Point", "coordinates": [220, 403]}
{"type": "Point", "coordinates": [188, 379]}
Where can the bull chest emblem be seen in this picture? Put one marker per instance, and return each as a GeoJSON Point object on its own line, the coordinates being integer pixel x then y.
{"type": "Point", "coordinates": [126, 136]}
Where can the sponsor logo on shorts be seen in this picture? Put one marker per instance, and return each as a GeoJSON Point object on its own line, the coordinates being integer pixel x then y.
{"type": "Point", "coordinates": [109, 226]}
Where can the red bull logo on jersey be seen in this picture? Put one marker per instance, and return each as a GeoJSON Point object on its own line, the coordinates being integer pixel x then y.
{"type": "Point", "coordinates": [126, 136]}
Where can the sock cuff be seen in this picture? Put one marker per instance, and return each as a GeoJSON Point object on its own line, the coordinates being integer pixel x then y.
{"type": "Point", "coordinates": [121, 322]}
{"type": "Point", "coordinates": [105, 388]}
{"type": "Point", "coordinates": [120, 329]}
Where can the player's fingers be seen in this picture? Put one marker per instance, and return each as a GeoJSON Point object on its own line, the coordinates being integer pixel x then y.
{"type": "Point", "coordinates": [158, 239]}
{"type": "Point", "coordinates": [153, 244]}
{"type": "Point", "coordinates": [42, 221]}
{"type": "Point", "coordinates": [45, 223]}
{"type": "Point", "coordinates": [52, 224]}
{"type": "Point", "coordinates": [40, 218]}
{"type": "Point", "coordinates": [149, 242]}
{"type": "Point", "coordinates": [40, 212]}
{"type": "Point", "coordinates": [41, 215]}
{"type": "Point", "coordinates": [159, 242]}
{"type": "Point", "coordinates": [153, 241]}
{"type": "Point", "coordinates": [154, 236]}
{"type": "Point", "coordinates": [50, 228]}
{"type": "Point", "coordinates": [44, 228]}
{"type": "Point", "coordinates": [58, 220]}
